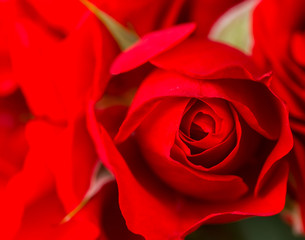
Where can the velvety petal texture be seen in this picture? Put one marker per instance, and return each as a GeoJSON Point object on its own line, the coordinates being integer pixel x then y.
{"type": "Point", "coordinates": [153, 141]}
{"type": "Point", "coordinates": [204, 140]}
{"type": "Point", "coordinates": [151, 45]}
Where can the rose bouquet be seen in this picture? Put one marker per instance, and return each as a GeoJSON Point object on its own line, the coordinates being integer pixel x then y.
{"type": "Point", "coordinates": [179, 119]}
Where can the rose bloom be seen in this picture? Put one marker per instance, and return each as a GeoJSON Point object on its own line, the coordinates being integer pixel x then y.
{"type": "Point", "coordinates": [47, 164]}
{"type": "Point", "coordinates": [45, 169]}
{"type": "Point", "coordinates": [35, 195]}
{"type": "Point", "coordinates": [150, 15]}
{"type": "Point", "coordinates": [204, 140]}
{"type": "Point", "coordinates": [278, 28]}
{"type": "Point", "coordinates": [56, 57]}
{"type": "Point", "coordinates": [61, 57]}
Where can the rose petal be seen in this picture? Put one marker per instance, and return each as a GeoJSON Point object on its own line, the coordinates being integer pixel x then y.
{"type": "Point", "coordinates": [200, 59]}
{"type": "Point", "coordinates": [62, 92]}
{"type": "Point", "coordinates": [298, 48]}
{"type": "Point", "coordinates": [150, 46]}
{"type": "Point", "coordinates": [113, 224]}
{"type": "Point", "coordinates": [249, 97]}
{"type": "Point", "coordinates": [64, 149]}
{"type": "Point", "coordinates": [23, 189]}
{"type": "Point", "coordinates": [156, 139]}
{"type": "Point", "coordinates": [143, 198]}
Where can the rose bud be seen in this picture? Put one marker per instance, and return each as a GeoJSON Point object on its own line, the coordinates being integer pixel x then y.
{"type": "Point", "coordinates": [204, 140]}
{"type": "Point", "coordinates": [279, 46]}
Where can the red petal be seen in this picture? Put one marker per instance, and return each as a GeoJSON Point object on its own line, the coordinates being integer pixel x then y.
{"type": "Point", "coordinates": [157, 212]}
{"type": "Point", "coordinates": [150, 46]}
{"type": "Point", "coordinates": [206, 59]}
{"type": "Point", "coordinates": [113, 224]}
{"type": "Point", "coordinates": [69, 154]}
{"type": "Point", "coordinates": [57, 79]}
{"type": "Point", "coordinates": [156, 139]}
{"type": "Point", "coordinates": [249, 97]}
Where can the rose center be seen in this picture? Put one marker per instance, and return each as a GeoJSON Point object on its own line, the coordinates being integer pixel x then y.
{"type": "Point", "coordinates": [207, 125]}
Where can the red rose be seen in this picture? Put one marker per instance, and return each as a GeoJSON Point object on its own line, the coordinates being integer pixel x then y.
{"type": "Point", "coordinates": [204, 140]}
{"type": "Point", "coordinates": [150, 15]}
{"type": "Point", "coordinates": [60, 62]}
{"type": "Point", "coordinates": [57, 58]}
{"type": "Point", "coordinates": [278, 28]}
{"type": "Point", "coordinates": [45, 171]}
{"type": "Point", "coordinates": [284, 56]}
{"type": "Point", "coordinates": [39, 187]}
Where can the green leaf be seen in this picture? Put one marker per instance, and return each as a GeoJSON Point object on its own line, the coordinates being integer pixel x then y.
{"type": "Point", "coordinates": [235, 27]}
{"type": "Point", "coordinates": [123, 36]}
{"type": "Point", "coordinates": [257, 228]}
{"type": "Point", "coordinates": [99, 178]}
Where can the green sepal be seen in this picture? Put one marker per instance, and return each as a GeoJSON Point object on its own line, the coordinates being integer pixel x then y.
{"type": "Point", "coordinates": [235, 27]}
{"type": "Point", "coordinates": [123, 36]}
{"type": "Point", "coordinates": [100, 177]}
